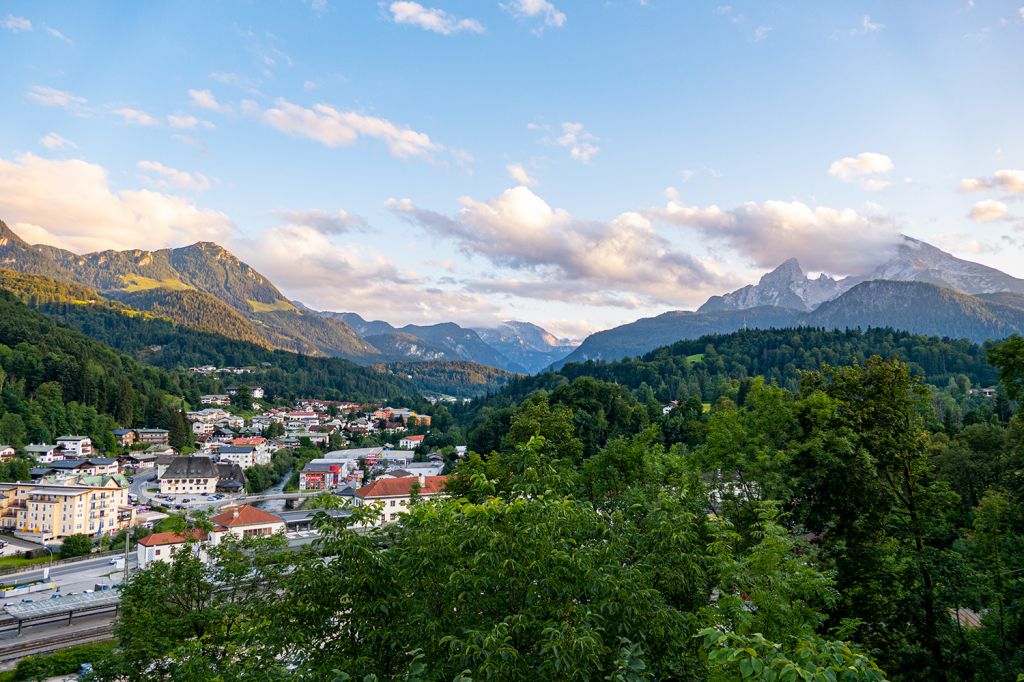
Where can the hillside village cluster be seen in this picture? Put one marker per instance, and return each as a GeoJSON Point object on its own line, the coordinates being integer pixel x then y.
{"type": "Point", "coordinates": [76, 490]}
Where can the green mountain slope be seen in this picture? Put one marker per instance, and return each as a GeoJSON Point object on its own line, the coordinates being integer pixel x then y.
{"type": "Point", "coordinates": [708, 367]}
{"type": "Point", "coordinates": [920, 308]}
{"type": "Point", "coordinates": [174, 281]}
{"type": "Point", "coordinates": [460, 378]}
{"type": "Point", "coordinates": [55, 381]}
{"type": "Point", "coordinates": [157, 340]}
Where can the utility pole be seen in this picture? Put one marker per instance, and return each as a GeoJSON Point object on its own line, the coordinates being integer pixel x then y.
{"type": "Point", "coordinates": [127, 541]}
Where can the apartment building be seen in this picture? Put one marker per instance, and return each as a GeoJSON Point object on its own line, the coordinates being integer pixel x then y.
{"type": "Point", "coordinates": [47, 512]}
{"type": "Point", "coordinates": [76, 447]}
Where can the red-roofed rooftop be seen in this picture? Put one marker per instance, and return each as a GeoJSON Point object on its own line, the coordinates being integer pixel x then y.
{"type": "Point", "coordinates": [160, 539]}
{"type": "Point", "coordinates": [245, 515]}
{"type": "Point", "coordinates": [402, 487]}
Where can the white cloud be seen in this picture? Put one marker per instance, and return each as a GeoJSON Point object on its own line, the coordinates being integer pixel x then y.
{"type": "Point", "coordinates": [1006, 180]}
{"type": "Point", "coordinates": [322, 221]}
{"type": "Point", "coordinates": [187, 122]}
{"type": "Point", "coordinates": [536, 9]}
{"type": "Point", "coordinates": [855, 168]}
{"type": "Point", "coordinates": [204, 99]}
{"type": "Point", "coordinates": [988, 210]}
{"type": "Point", "coordinates": [621, 257]}
{"type": "Point", "coordinates": [870, 26]}
{"type": "Point", "coordinates": [308, 265]}
{"type": "Point", "coordinates": [59, 36]}
{"type": "Point", "coordinates": [761, 32]}
{"type": "Point", "coordinates": [519, 174]}
{"type": "Point", "coordinates": [70, 204]}
{"type": "Point", "coordinates": [135, 116]}
{"type": "Point", "coordinates": [17, 24]}
{"type": "Point", "coordinates": [192, 142]}
{"type": "Point", "coordinates": [52, 97]}
{"type": "Point", "coordinates": [579, 142]}
{"type": "Point", "coordinates": [432, 19]}
{"type": "Point", "coordinates": [167, 177]}
{"type": "Point", "coordinates": [55, 141]}
{"type": "Point", "coordinates": [335, 128]}
{"type": "Point", "coordinates": [837, 241]}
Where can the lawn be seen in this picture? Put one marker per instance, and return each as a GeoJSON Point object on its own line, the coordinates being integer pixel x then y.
{"type": "Point", "coordinates": [20, 562]}
{"type": "Point", "coordinates": [697, 357]}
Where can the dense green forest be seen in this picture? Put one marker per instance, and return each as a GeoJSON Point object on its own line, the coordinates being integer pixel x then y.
{"type": "Point", "coordinates": [836, 530]}
{"type": "Point", "coordinates": [711, 366]}
{"type": "Point", "coordinates": [158, 341]}
{"type": "Point", "coordinates": [459, 378]}
{"type": "Point", "coordinates": [55, 381]}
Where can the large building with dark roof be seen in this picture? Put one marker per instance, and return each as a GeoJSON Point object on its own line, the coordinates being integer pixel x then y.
{"type": "Point", "coordinates": [189, 476]}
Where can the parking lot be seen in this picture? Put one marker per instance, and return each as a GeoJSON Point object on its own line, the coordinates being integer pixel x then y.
{"type": "Point", "coordinates": [184, 502]}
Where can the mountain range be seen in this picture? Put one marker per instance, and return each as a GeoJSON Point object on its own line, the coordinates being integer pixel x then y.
{"type": "Point", "coordinates": [204, 286]}
{"type": "Point", "coordinates": [918, 288]}
{"type": "Point", "coordinates": [915, 287]}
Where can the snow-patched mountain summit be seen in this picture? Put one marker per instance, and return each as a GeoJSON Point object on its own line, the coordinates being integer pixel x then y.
{"type": "Point", "coordinates": [786, 287]}
{"type": "Point", "coordinates": [532, 347]}
{"type": "Point", "coordinates": [910, 260]}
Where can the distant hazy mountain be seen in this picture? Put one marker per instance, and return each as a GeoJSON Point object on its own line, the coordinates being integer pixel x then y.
{"type": "Point", "coordinates": [911, 260]}
{"type": "Point", "coordinates": [636, 338]}
{"type": "Point", "coordinates": [916, 307]}
{"type": "Point", "coordinates": [443, 341]}
{"type": "Point", "coordinates": [524, 343]}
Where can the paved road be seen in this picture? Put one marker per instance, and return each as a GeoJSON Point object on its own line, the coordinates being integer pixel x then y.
{"type": "Point", "coordinates": [76, 572]}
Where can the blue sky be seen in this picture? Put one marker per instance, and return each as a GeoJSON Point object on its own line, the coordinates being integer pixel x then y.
{"type": "Point", "coordinates": [577, 164]}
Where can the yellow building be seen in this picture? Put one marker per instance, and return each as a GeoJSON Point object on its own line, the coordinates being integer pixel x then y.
{"type": "Point", "coordinates": [44, 512]}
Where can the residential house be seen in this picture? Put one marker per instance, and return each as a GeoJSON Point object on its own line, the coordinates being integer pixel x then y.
{"type": "Point", "coordinates": [7, 452]}
{"type": "Point", "coordinates": [124, 437]}
{"type": "Point", "coordinates": [139, 460]}
{"type": "Point", "coordinates": [76, 446]}
{"type": "Point", "coordinates": [44, 453]}
{"type": "Point", "coordinates": [154, 436]}
{"type": "Point", "coordinates": [218, 399]}
{"type": "Point", "coordinates": [411, 442]}
{"type": "Point", "coordinates": [245, 522]}
{"type": "Point", "coordinates": [242, 456]}
{"type": "Point", "coordinates": [93, 466]}
{"type": "Point", "coordinates": [165, 546]}
{"type": "Point", "coordinates": [264, 451]}
{"type": "Point", "coordinates": [189, 476]}
{"type": "Point", "coordinates": [395, 494]}
{"type": "Point", "coordinates": [203, 428]}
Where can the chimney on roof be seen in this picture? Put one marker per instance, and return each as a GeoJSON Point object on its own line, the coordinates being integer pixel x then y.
{"type": "Point", "coordinates": [234, 512]}
{"type": "Point", "coordinates": [420, 479]}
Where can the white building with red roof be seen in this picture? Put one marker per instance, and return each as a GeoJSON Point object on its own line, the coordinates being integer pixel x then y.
{"type": "Point", "coordinates": [245, 521]}
{"type": "Point", "coordinates": [411, 442]}
{"type": "Point", "coordinates": [164, 546]}
{"type": "Point", "coordinates": [395, 494]}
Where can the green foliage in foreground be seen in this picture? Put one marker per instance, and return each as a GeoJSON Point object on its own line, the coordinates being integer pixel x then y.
{"type": "Point", "coordinates": [63, 662]}
{"type": "Point", "coordinates": [828, 533]}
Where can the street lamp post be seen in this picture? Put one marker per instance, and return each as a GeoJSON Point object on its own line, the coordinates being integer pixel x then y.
{"type": "Point", "coordinates": [46, 570]}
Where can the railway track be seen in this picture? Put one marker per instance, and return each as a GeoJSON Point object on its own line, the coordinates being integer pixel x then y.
{"type": "Point", "coordinates": [15, 651]}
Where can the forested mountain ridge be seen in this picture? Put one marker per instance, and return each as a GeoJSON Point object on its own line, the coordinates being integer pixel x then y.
{"type": "Point", "coordinates": [157, 340]}
{"type": "Point", "coordinates": [55, 381]}
{"type": "Point", "coordinates": [458, 378]}
{"type": "Point", "coordinates": [916, 307]}
{"type": "Point", "coordinates": [711, 366]}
